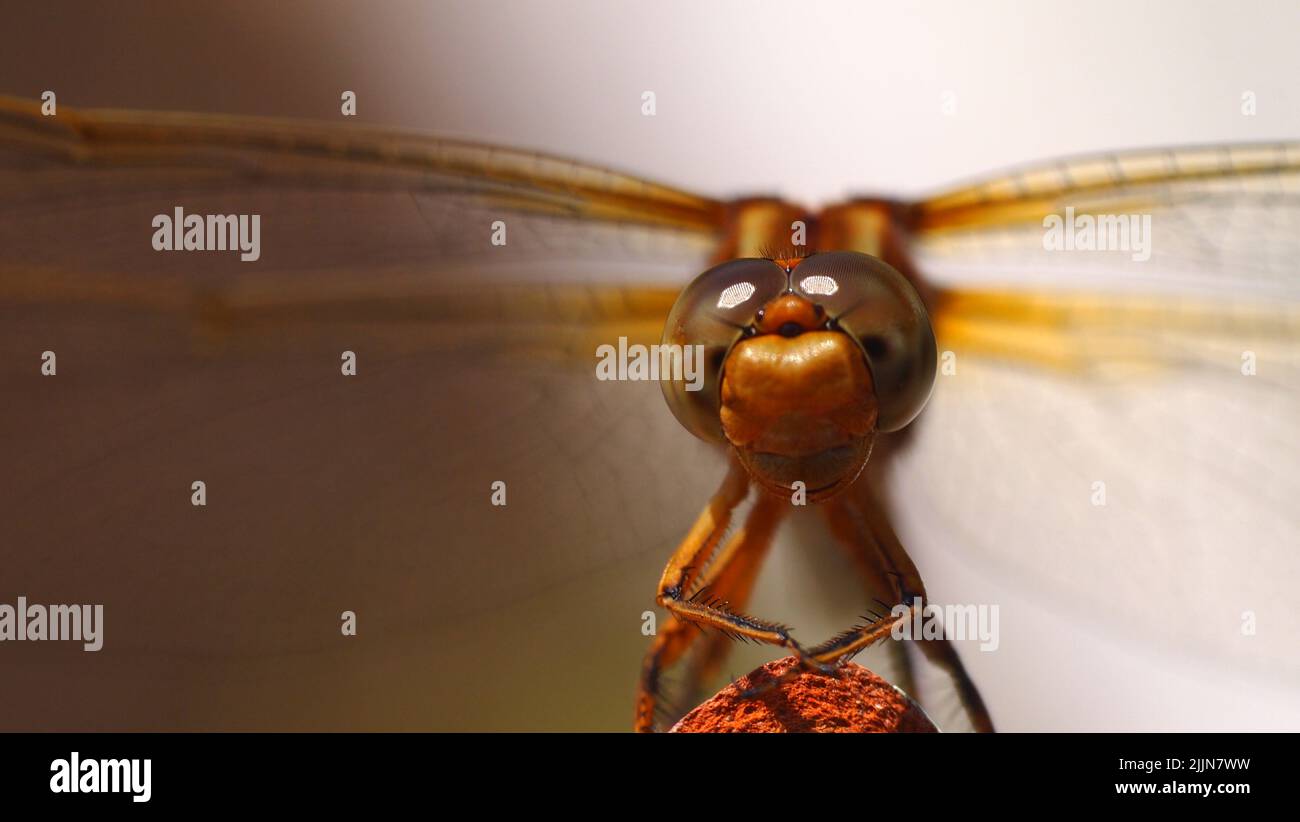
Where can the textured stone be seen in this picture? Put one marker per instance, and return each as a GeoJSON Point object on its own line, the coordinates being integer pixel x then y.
{"type": "Point", "coordinates": [852, 701]}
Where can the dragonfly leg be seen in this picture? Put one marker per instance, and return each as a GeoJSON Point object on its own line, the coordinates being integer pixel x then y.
{"type": "Point", "coordinates": [731, 580]}
{"type": "Point", "coordinates": [853, 536]}
{"type": "Point", "coordinates": [676, 636]}
{"type": "Point", "coordinates": [710, 597]}
{"type": "Point", "coordinates": [859, 521]}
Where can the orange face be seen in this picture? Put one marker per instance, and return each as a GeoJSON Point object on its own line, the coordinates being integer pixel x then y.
{"type": "Point", "coordinates": [798, 402]}
{"type": "Point", "coordinates": [806, 360]}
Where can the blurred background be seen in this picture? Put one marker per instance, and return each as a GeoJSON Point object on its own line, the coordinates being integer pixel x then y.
{"type": "Point", "coordinates": [812, 102]}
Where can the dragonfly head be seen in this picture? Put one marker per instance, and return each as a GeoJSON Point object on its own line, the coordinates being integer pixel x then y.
{"type": "Point", "coordinates": [805, 361]}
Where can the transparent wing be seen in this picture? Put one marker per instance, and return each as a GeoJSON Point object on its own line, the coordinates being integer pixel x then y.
{"type": "Point", "coordinates": [1112, 453]}
{"type": "Point", "coordinates": [1221, 218]}
{"type": "Point", "coordinates": [326, 493]}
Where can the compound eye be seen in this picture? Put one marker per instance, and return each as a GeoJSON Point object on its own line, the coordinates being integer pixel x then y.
{"type": "Point", "coordinates": [876, 306]}
{"type": "Point", "coordinates": [713, 312]}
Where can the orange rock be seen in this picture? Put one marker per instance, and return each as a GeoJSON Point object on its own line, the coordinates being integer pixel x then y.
{"type": "Point", "coordinates": [854, 700]}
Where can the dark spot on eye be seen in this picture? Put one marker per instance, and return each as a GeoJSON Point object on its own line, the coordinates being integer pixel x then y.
{"type": "Point", "coordinates": [875, 346]}
{"type": "Point", "coordinates": [818, 310]}
{"type": "Point", "coordinates": [760, 315]}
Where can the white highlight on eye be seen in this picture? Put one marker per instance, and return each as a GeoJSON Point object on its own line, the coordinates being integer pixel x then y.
{"type": "Point", "coordinates": [819, 284]}
{"type": "Point", "coordinates": [734, 295]}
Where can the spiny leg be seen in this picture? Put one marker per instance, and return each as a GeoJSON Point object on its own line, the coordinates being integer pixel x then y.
{"type": "Point", "coordinates": [676, 636]}
{"type": "Point", "coordinates": [686, 591]}
{"type": "Point", "coordinates": [859, 520]}
{"type": "Point", "coordinates": [736, 572]}
{"type": "Point", "coordinates": [858, 544]}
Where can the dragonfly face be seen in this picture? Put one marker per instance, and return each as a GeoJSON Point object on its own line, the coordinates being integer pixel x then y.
{"type": "Point", "coordinates": [806, 359]}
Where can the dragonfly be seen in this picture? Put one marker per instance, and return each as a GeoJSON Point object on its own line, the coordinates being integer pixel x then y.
{"type": "Point", "coordinates": [1112, 433]}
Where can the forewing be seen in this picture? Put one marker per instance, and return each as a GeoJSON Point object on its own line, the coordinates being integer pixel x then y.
{"type": "Point", "coordinates": [325, 493]}
{"type": "Point", "coordinates": [1113, 439]}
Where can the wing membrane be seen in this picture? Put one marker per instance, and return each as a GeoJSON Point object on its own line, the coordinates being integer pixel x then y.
{"type": "Point", "coordinates": [289, 149]}
{"type": "Point", "coordinates": [381, 223]}
{"type": "Point", "coordinates": [329, 493]}
{"type": "Point", "coordinates": [1114, 442]}
{"type": "Point", "coordinates": [1221, 224]}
